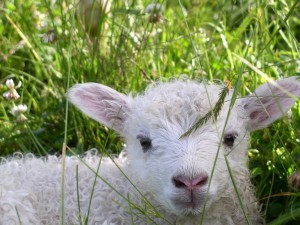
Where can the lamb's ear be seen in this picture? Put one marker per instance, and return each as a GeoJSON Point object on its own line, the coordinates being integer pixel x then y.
{"type": "Point", "coordinates": [270, 101]}
{"type": "Point", "coordinates": [101, 103]}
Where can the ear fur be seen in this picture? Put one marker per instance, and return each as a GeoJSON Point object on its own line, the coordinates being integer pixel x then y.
{"type": "Point", "coordinates": [271, 101]}
{"type": "Point", "coordinates": [101, 103]}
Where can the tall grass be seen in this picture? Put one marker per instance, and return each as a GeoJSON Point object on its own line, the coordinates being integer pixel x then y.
{"type": "Point", "coordinates": [245, 42]}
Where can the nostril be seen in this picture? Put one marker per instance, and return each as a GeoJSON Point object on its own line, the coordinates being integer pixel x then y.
{"type": "Point", "coordinates": [181, 181]}
{"type": "Point", "coordinates": [200, 180]}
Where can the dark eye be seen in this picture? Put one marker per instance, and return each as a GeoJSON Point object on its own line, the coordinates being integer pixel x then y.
{"type": "Point", "coordinates": [145, 142]}
{"type": "Point", "coordinates": [229, 139]}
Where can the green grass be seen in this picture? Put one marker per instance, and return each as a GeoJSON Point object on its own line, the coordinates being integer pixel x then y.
{"type": "Point", "coordinates": [201, 39]}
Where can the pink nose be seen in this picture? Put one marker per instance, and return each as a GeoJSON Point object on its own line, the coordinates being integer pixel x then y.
{"type": "Point", "coordinates": [181, 181]}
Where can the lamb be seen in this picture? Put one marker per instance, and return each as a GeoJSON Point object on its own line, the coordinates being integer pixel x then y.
{"type": "Point", "coordinates": [160, 177]}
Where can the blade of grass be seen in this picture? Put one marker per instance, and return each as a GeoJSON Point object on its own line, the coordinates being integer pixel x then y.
{"type": "Point", "coordinates": [114, 189]}
{"type": "Point", "coordinates": [66, 122]}
{"type": "Point", "coordinates": [214, 113]}
{"type": "Point", "coordinates": [19, 219]}
{"type": "Point", "coordinates": [24, 38]}
{"type": "Point", "coordinates": [285, 218]}
{"type": "Point", "coordinates": [78, 196]}
{"type": "Point", "coordinates": [280, 26]}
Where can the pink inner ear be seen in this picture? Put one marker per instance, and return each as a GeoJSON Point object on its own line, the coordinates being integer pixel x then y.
{"type": "Point", "coordinates": [101, 103]}
{"type": "Point", "coordinates": [259, 116]}
{"type": "Point", "coordinates": [293, 88]}
{"type": "Point", "coordinates": [269, 112]}
{"type": "Point", "coordinates": [270, 102]}
{"type": "Point", "coordinates": [83, 96]}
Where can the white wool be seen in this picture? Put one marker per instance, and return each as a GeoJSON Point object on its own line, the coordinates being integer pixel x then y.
{"type": "Point", "coordinates": [160, 177]}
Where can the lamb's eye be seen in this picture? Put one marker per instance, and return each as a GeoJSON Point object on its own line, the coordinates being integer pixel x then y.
{"type": "Point", "coordinates": [145, 142]}
{"type": "Point", "coordinates": [229, 139]}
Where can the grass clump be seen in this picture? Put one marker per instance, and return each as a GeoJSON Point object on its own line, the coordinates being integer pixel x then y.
{"type": "Point", "coordinates": [42, 42]}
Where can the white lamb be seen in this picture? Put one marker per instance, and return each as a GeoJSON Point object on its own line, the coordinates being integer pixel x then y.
{"type": "Point", "coordinates": [160, 177]}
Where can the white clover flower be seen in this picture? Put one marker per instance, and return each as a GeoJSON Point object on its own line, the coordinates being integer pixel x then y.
{"type": "Point", "coordinates": [12, 93]}
{"type": "Point", "coordinates": [10, 83]}
{"type": "Point", "coordinates": [41, 20]}
{"type": "Point", "coordinates": [155, 10]}
{"type": "Point", "coordinates": [21, 118]}
{"type": "Point", "coordinates": [19, 109]}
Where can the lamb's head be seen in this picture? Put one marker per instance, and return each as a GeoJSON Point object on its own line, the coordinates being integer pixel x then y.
{"type": "Point", "coordinates": [177, 170]}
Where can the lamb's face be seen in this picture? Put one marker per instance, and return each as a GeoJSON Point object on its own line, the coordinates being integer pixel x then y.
{"type": "Point", "coordinates": [184, 173]}
{"type": "Point", "coordinates": [177, 170]}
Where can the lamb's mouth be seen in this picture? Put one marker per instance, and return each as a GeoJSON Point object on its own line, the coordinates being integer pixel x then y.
{"type": "Point", "coordinates": [189, 207]}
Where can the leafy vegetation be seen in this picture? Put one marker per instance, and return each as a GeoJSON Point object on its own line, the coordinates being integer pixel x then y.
{"type": "Point", "coordinates": [46, 47]}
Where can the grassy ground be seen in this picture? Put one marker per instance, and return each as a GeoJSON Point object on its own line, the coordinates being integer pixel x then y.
{"type": "Point", "coordinates": [46, 47]}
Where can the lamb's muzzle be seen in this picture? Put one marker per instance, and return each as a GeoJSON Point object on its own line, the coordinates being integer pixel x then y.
{"type": "Point", "coordinates": [191, 192]}
{"type": "Point", "coordinates": [194, 183]}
